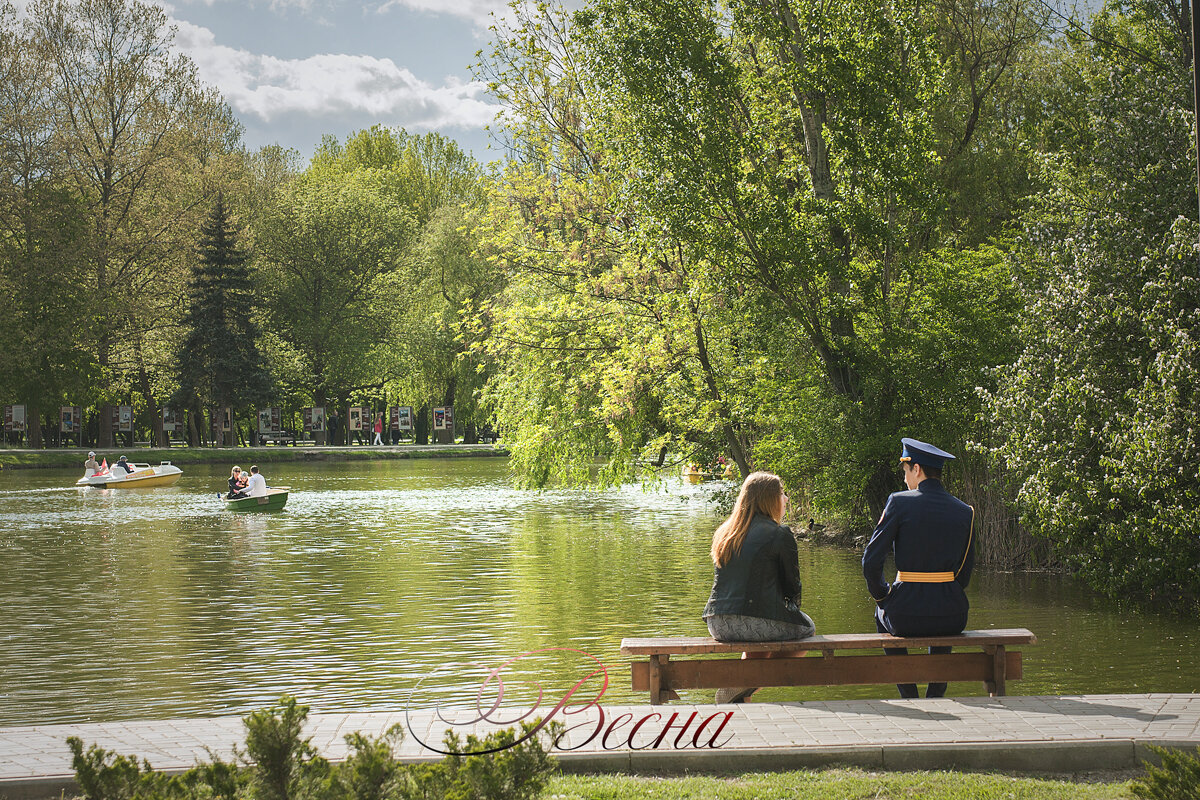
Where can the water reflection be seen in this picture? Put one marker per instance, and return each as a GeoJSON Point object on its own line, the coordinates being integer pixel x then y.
{"type": "Point", "coordinates": [156, 603]}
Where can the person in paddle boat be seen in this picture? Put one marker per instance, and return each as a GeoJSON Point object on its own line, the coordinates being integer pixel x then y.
{"type": "Point", "coordinates": [90, 467]}
{"type": "Point", "coordinates": [258, 484]}
{"type": "Point", "coordinates": [121, 462]}
{"type": "Point", "coordinates": [756, 582]}
{"type": "Point", "coordinates": [237, 484]}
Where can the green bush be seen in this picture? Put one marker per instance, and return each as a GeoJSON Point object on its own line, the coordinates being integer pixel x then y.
{"type": "Point", "coordinates": [278, 764]}
{"type": "Point", "coordinates": [282, 765]}
{"type": "Point", "coordinates": [103, 775]}
{"type": "Point", "coordinates": [1178, 778]}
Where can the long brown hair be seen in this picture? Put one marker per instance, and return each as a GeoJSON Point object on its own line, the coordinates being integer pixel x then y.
{"type": "Point", "coordinates": [760, 494]}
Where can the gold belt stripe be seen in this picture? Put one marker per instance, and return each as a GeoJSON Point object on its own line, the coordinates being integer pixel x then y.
{"type": "Point", "coordinates": [925, 577]}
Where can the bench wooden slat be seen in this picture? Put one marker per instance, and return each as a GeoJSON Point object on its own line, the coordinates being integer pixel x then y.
{"type": "Point", "coordinates": [697, 645]}
{"type": "Point", "coordinates": [817, 671]}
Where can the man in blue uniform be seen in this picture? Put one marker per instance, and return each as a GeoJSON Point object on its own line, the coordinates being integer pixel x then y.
{"type": "Point", "coordinates": [929, 533]}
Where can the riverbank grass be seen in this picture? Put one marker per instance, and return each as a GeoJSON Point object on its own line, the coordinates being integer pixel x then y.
{"type": "Point", "coordinates": [843, 784]}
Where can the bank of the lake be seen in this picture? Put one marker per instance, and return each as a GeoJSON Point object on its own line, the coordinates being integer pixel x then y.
{"type": "Point", "coordinates": [73, 457]}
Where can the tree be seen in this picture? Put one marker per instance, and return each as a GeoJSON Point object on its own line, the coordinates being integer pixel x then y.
{"type": "Point", "coordinates": [432, 179]}
{"type": "Point", "coordinates": [219, 364]}
{"type": "Point", "coordinates": [41, 242]}
{"type": "Point", "coordinates": [137, 132]}
{"type": "Point", "coordinates": [721, 224]}
{"type": "Point", "coordinates": [325, 251]}
{"type": "Point", "coordinates": [1096, 417]}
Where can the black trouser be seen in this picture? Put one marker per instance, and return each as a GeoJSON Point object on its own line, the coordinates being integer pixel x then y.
{"type": "Point", "coordinates": [920, 626]}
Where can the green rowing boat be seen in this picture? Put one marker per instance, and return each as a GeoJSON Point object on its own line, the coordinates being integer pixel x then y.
{"type": "Point", "coordinates": [273, 500]}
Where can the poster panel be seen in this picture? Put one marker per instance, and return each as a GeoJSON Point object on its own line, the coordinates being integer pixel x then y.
{"type": "Point", "coordinates": [70, 418]}
{"type": "Point", "coordinates": [314, 419]}
{"type": "Point", "coordinates": [122, 419]}
{"type": "Point", "coordinates": [439, 418]}
{"type": "Point", "coordinates": [170, 422]}
{"type": "Point", "coordinates": [14, 419]}
{"type": "Point", "coordinates": [404, 418]}
{"type": "Point", "coordinates": [222, 420]}
{"type": "Point", "coordinates": [449, 417]}
{"type": "Point", "coordinates": [269, 420]}
{"type": "Point", "coordinates": [356, 418]}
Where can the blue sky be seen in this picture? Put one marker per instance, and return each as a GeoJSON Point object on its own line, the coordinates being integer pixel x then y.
{"type": "Point", "coordinates": [294, 70]}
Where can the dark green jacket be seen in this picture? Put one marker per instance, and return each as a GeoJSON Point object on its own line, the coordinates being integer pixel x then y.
{"type": "Point", "coordinates": [763, 578]}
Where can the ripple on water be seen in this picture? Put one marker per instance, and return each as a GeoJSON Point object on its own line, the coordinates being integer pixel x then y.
{"type": "Point", "coordinates": [380, 575]}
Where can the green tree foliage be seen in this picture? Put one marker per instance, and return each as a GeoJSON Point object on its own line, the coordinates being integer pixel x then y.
{"type": "Point", "coordinates": [720, 230]}
{"type": "Point", "coordinates": [219, 363]}
{"type": "Point", "coordinates": [41, 240]}
{"type": "Point", "coordinates": [399, 325]}
{"type": "Point", "coordinates": [1097, 415]}
{"type": "Point", "coordinates": [324, 253]}
{"type": "Point", "coordinates": [137, 134]}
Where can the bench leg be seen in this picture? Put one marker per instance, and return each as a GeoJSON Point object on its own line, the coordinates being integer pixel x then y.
{"type": "Point", "coordinates": [656, 697]}
{"type": "Point", "coordinates": [659, 693]}
{"type": "Point", "coordinates": [996, 686]}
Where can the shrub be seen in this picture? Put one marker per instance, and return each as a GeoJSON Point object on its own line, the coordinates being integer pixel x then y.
{"type": "Point", "coordinates": [278, 764]}
{"type": "Point", "coordinates": [1178, 777]}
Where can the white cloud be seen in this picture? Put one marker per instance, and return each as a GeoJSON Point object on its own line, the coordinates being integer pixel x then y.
{"type": "Point", "coordinates": [330, 85]}
{"type": "Point", "coordinates": [475, 10]}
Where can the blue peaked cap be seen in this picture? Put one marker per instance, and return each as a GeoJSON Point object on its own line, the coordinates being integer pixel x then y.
{"type": "Point", "coordinates": [924, 454]}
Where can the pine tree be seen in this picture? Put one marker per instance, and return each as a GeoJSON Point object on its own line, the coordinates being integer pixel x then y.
{"type": "Point", "coordinates": [219, 363]}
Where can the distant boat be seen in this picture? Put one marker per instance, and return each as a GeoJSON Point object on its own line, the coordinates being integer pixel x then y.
{"type": "Point", "coordinates": [693, 474]}
{"type": "Point", "coordinates": [143, 476]}
{"type": "Point", "coordinates": [273, 500]}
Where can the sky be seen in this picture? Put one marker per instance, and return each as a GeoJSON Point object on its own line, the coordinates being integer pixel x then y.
{"type": "Point", "coordinates": [296, 70]}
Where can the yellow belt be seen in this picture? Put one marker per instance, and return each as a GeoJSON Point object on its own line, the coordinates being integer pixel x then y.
{"type": "Point", "coordinates": [925, 577]}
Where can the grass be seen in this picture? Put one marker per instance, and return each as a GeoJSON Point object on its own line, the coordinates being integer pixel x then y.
{"type": "Point", "coordinates": [72, 458]}
{"type": "Point", "coordinates": [838, 784]}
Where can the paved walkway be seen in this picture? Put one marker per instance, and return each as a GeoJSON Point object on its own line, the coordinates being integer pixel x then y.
{"type": "Point", "coordinates": [1051, 734]}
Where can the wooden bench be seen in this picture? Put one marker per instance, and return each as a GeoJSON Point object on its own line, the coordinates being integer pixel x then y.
{"type": "Point", "coordinates": [284, 437]}
{"type": "Point", "coordinates": [825, 661]}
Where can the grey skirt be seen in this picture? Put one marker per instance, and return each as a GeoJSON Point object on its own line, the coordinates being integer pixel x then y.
{"type": "Point", "coordinates": [740, 628]}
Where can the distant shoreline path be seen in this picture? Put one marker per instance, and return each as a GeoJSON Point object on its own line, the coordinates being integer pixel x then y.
{"type": "Point", "coordinates": [73, 457]}
{"type": "Point", "coordinates": [1019, 734]}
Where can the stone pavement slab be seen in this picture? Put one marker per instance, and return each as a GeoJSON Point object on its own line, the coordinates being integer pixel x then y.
{"type": "Point", "coordinates": [1051, 733]}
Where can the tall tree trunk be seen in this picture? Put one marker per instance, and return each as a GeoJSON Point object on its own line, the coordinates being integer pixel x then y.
{"type": "Point", "coordinates": [152, 406]}
{"type": "Point", "coordinates": [33, 421]}
{"type": "Point", "coordinates": [421, 425]}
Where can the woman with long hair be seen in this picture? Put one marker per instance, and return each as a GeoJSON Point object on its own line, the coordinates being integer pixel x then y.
{"type": "Point", "coordinates": [756, 584]}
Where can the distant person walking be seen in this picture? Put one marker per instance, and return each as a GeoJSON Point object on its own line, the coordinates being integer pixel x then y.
{"type": "Point", "coordinates": [928, 531]}
{"type": "Point", "coordinates": [378, 430]}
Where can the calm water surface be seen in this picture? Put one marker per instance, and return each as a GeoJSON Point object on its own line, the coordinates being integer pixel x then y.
{"type": "Point", "coordinates": [381, 577]}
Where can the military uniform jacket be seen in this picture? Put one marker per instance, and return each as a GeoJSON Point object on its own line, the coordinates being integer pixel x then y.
{"type": "Point", "coordinates": [763, 578]}
{"type": "Point", "coordinates": [926, 529]}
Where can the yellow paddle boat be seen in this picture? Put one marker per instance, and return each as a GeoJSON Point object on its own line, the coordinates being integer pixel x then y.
{"type": "Point", "coordinates": [139, 476]}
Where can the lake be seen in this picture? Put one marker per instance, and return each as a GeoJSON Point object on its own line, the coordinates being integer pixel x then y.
{"type": "Point", "coordinates": [383, 581]}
